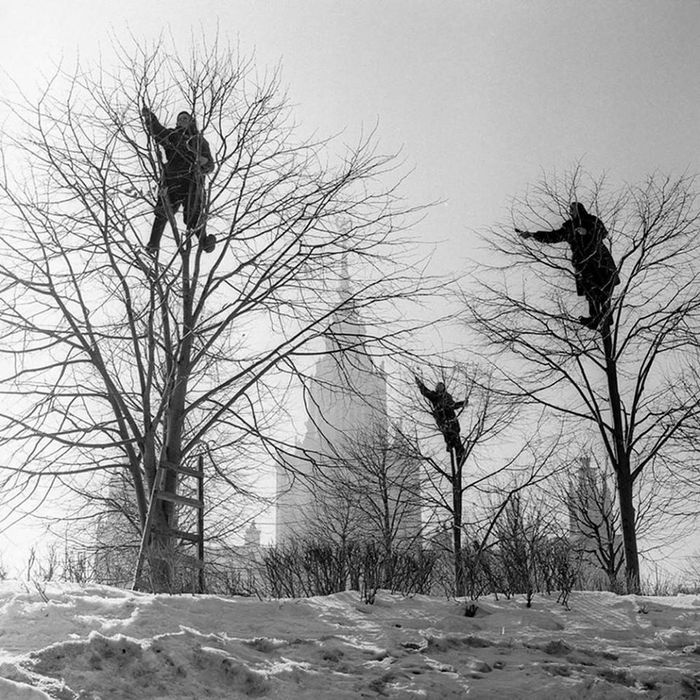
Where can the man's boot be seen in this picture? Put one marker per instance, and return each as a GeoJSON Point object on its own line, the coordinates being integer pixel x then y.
{"type": "Point", "coordinates": [208, 242]}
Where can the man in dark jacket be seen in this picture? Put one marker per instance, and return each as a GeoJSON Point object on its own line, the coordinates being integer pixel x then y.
{"type": "Point", "coordinates": [444, 409]}
{"type": "Point", "coordinates": [188, 159]}
{"type": "Point", "coordinates": [594, 267]}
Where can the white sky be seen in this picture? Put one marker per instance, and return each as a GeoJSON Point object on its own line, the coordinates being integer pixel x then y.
{"type": "Point", "coordinates": [481, 97]}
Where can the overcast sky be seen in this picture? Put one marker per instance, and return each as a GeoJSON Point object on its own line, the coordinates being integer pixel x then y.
{"type": "Point", "coordinates": [480, 97]}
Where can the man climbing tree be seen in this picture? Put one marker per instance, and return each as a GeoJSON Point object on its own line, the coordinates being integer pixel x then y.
{"type": "Point", "coordinates": [627, 388]}
{"type": "Point", "coordinates": [163, 363]}
{"type": "Point", "coordinates": [594, 267]}
{"type": "Point", "coordinates": [188, 159]}
{"type": "Point", "coordinates": [444, 409]}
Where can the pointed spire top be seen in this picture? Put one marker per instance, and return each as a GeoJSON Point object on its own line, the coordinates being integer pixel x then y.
{"type": "Point", "coordinates": [344, 275]}
{"type": "Point", "coordinates": [345, 228]}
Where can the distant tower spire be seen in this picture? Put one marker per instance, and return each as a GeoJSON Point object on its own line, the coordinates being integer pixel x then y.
{"type": "Point", "coordinates": [346, 323]}
{"type": "Point", "coordinates": [344, 229]}
{"type": "Point", "coordinates": [252, 536]}
{"type": "Point", "coordinates": [344, 287]}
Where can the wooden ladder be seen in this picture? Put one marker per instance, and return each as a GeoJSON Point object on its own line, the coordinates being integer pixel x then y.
{"type": "Point", "coordinates": [158, 493]}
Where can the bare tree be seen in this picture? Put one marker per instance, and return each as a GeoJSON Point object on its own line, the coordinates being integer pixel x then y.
{"type": "Point", "coordinates": [369, 491]}
{"type": "Point", "coordinates": [619, 378]}
{"type": "Point", "coordinates": [116, 362]}
{"type": "Point", "coordinates": [532, 550]}
{"type": "Point", "coordinates": [521, 535]}
{"type": "Point", "coordinates": [691, 574]}
{"type": "Point", "coordinates": [594, 519]}
{"type": "Point", "coordinates": [485, 416]}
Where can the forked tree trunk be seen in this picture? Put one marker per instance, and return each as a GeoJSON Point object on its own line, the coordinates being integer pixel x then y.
{"type": "Point", "coordinates": [163, 564]}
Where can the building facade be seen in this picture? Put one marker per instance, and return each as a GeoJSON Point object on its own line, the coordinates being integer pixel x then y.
{"type": "Point", "coordinates": [348, 477]}
{"type": "Point", "coordinates": [594, 526]}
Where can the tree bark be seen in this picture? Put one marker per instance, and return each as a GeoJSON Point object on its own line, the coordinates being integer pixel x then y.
{"type": "Point", "coordinates": [621, 464]}
{"type": "Point", "coordinates": [457, 523]}
{"type": "Point", "coordinates": [163, 565]}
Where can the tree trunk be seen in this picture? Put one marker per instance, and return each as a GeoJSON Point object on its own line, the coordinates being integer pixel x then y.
{"type": "Point", "coordinates": [629, 533]}
{"type": "Point", "coordinates": [622, 469]}
{"type": "Point", "coordinates": [457, 524]}
{"type": "Point", "coordinates": [162, 559]}
{"type": "Point", "coordinates": [387, 539]}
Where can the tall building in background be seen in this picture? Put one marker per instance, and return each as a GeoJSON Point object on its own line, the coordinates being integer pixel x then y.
{"type": "Point", "coordinates": [116, 537]}
{"type": "Point", "coordinates": [348, 459]}
{"type": "Point", "coordinates": [591, 504]}
{"type": "Point", "coordinates": [594, 526]}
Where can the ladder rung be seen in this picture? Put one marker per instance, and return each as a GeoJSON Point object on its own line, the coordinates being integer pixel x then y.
{"type": "Point", "coordinates": [182, 470]}
{"type": "Point", "coordinates": [182, 500]}
{"type": "Point", "coordinates": [190, 537]}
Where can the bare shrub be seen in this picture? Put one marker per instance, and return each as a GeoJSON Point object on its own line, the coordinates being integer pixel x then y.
{"type": "Point", "coordinates": [311, 567]}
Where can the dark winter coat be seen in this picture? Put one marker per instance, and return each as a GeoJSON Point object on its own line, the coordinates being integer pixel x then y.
{"type": "Point", "coordinates": [183, 148]}
{"type": "Point", "coordinates": [593, 264]}
{"type": "Point", "coordinates": [444, 409]}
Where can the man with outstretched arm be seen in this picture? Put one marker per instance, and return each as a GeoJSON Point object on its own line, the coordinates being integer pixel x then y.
{"type": "Point", "coordinates": [594, 268]}
{"type": "Point", "coordinates": [187, 160]}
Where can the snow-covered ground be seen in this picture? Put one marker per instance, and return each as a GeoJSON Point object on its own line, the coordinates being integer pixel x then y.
{"type": "Point", "coordinates": [66, 641]}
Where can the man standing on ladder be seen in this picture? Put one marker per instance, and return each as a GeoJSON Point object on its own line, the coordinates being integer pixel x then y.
{"type": "Point", "coordinates": [188, 160]}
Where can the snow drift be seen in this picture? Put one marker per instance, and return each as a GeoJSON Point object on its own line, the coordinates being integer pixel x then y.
{"type": "Point", "coordinates": [95, 642]}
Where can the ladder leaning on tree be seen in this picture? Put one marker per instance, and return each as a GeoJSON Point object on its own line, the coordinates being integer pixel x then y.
{"type": "Point", "coordinates": [158, 494]}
